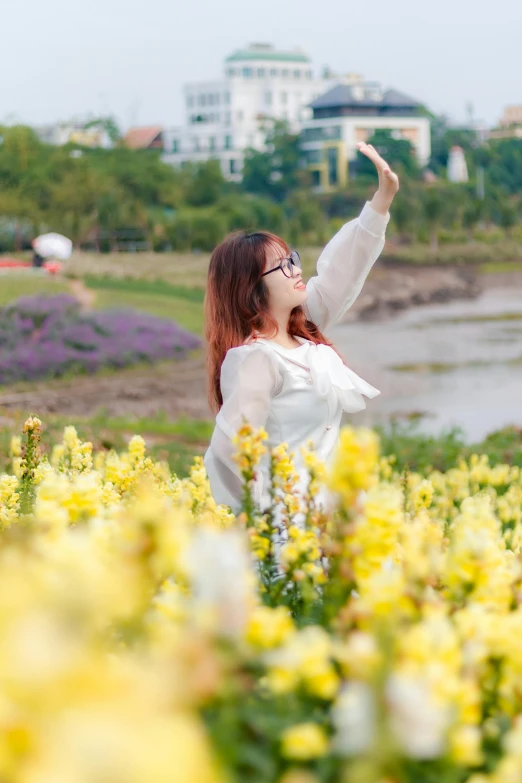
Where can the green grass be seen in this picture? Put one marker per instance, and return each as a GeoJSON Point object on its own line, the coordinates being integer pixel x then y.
{"type": "Point", "coordinates": [175, 442]}
{"type": "Point", "coordinates": [178, 442]}
{"type": "Point", "coordinates": [501, 266]}
{"type": "Point", "coordinates": [186, 313]}
{"type": "Point", "coordinates": [417, 451]}
{"type": "Point", "coordinates": [13, 285]}
{"type": "Point", "coordinates": [133, 285]}
{"type": "Point", "coordinates": [494, 255]}
{"type": "Point", "coordinates": [191, 430]}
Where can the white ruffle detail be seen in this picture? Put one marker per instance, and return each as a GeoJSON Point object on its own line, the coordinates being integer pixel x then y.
{"type": "Point", "coordinates": [330, 373]}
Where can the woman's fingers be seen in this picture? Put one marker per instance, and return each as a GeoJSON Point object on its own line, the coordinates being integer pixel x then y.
{"type": "Point", "coordinates": [371, 153]}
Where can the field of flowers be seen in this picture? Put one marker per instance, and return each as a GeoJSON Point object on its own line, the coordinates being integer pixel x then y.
{"type": "Point", "coordinates": [48, 336]}
{"type": "Point", "coordinates": [148, 635]}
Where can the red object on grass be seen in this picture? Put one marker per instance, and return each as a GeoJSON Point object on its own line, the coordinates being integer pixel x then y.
{"type": "Point", "coordinates": [11, 263]}
{"type": "Point", "coordinates": [52, 267]}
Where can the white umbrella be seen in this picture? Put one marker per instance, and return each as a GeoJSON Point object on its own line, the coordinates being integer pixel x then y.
{"type": "Point", "coordinates": [53, 246]}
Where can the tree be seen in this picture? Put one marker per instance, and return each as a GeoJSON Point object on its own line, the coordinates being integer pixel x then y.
{"type": "Point", "coordinates": [76, 198]}
{"type": "Point", "coordinates": [399, 153]}
{"type": "Point", "coordinates": [275, 172]}
{"type": "Point", "coordinates": [443, 137]}
{"type": "Point", "coordinates": [204, 183]}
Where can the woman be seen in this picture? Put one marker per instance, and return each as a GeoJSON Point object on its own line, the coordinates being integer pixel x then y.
{"type": "Point", "coordinates": [269, 362]}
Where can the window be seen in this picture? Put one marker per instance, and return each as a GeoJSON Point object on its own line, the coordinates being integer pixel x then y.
{"type": "Point", "coordinates": [190, 101]}
{"type": "Point", "coordinates": [248, 72]}
{"type": "Point", "coordinates": [332, 165]}
{"type": "Point", "coordinates": [195, 144]}
{"type": "Point", "coordinates": [297, 74]}
{"type": "Point", "coordinates": [284, 73]}
{"type": "Point", "coordinates": [321, 134]}
{"type": "Point", "coordinates": [210, 99]}
{"type": "Point", "coordinates": [226, 118]}
{"type": "Point", "coordinates": [284, 98]}
{"type": "Point", "coordinates": [308, 74]}
{"type": "Point", "coordinates": [316, 179]}
{"type": "Point", "coordinates": [212, 143]}
{"type": "Point", "coordinates": [313, 156]}
{"type": "Point", "coordinates": [268, 98]}
{"type": "Point", "coordinates": [217, 98]}
{"type": "Point", "coordinates": [231, 72]}
{"type": "Point", "coordinates": [226, 98]}
{"type": "Point", "coordinates": [233, 166]}
{"type": "Point", "coordinates": [228, 143]}
{"type": "Point", "coordinates": [175, 145]}
{"type": "Point", "coordinates": [260, 73]}
{"type": "Point", "coordinates": [274, 72]}
{"type": "Point", "coordinates": [202, 100]}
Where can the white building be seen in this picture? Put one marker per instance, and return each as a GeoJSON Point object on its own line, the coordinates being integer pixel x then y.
{"type": "Point", "coordinates": [224, 117]}
{"type": "Point", "coordinates": [61, 133]}
{"type": "Point", "coordinates": [350, 113]}
{"type": "Point", "coordinates": [457, 167]}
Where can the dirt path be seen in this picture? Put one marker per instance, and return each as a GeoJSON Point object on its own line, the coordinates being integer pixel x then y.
{"type": "Point", "coordinates": [176, 388]}
{"type": "Point", "coordinates": [83, 294]}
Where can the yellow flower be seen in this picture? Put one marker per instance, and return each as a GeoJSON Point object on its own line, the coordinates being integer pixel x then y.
{"type": "Point", "coordinates": [137, 448]}
{"type": "Point", "coordinates": [268, 628]}
{"type": "Point", "coordinates": [32, 424]}
{"type": "Point", "coordinates": [465, 745]}
{"type": "Point", "coordinates": [303, 742]}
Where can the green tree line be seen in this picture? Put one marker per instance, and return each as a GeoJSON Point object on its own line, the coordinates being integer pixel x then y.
{"type": "Point", "coordinates": [98, 196]}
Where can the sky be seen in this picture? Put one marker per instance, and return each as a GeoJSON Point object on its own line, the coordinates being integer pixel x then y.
{"type": "Point", "coordinates": [62, 59]}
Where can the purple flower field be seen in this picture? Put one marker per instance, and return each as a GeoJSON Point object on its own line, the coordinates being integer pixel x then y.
{"type": "Point", "coordinates": [48, 336]}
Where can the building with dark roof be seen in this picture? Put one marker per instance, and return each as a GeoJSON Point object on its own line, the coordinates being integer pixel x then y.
{"type": "Point", "coordinates": [351, 112]}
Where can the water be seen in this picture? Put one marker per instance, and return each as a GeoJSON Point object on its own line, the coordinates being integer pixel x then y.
{"type": "Point", "coordinates": [456, 364]}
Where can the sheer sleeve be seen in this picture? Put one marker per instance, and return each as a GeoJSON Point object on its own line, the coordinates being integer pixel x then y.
{"type": "Point", "coordinates": [249, 379]}
{"type": "Point", "coordinates": [344, 265]}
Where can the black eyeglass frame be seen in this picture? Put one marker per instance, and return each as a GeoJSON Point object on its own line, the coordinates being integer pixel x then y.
{"type": "Point", "coordinates": [291, 262]}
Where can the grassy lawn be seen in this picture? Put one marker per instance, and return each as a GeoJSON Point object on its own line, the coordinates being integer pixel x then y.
{"type": "Point", "coordinates": [13, 285]}
{"type": "Point", "coordinates": [181, 303]}
{"type": "Point", "coordinates": [185, 313]}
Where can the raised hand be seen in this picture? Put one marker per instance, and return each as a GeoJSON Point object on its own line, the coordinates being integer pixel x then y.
{"type": "Point", "coordinates": [388, 180]}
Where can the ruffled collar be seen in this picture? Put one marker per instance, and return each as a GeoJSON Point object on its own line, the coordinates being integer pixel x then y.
{"type": "Point", "coordinates": [329, 374]}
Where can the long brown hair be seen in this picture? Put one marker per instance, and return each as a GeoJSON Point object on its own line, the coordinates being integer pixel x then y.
{"type": "Point", "coordinates": [236, 302]}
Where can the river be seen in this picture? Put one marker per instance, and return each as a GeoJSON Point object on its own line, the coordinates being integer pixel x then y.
{"type": "Point", "coordinates": [455, 364]}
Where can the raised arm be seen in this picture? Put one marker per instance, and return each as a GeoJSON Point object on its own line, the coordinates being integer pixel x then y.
{"type": "Point", "coordinates": [347, 259]}
{"type": "Point", "coordinates": [249, 379]}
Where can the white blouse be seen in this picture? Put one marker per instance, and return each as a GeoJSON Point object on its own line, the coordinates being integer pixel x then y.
{"type": "Point", "coordinates": [297, 394]}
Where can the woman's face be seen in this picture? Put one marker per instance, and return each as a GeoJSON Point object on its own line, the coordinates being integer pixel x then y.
{"type": "Point", "coordinates": [284, 293]}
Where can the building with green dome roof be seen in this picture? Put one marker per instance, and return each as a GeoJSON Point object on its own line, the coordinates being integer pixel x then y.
{"type": "Point", "coordinates": [224, 117]}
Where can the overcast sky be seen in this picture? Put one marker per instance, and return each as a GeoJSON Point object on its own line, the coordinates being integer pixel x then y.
{"type": "Point", "coordinates": [63, 59]}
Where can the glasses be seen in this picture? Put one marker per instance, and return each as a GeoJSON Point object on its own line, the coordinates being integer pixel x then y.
{"type": "Point", "coordinates": [286, 265]}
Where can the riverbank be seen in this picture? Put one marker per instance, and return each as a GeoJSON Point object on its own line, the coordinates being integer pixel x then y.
{"type": "Point", "coordinates": [392, 288]}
